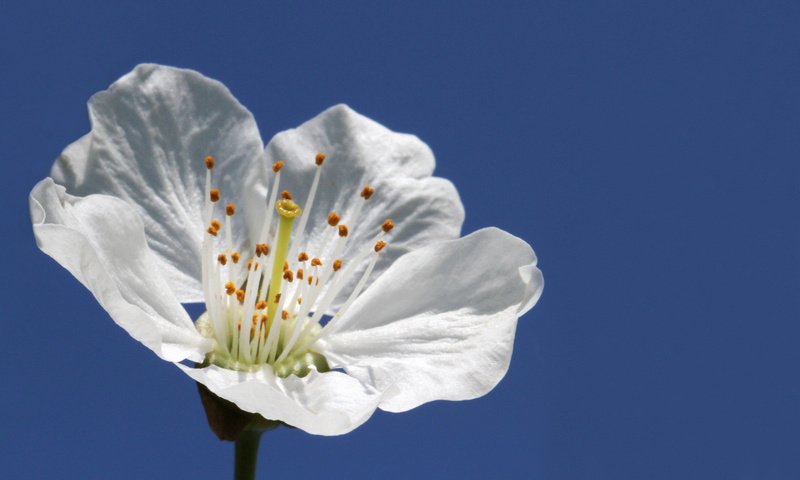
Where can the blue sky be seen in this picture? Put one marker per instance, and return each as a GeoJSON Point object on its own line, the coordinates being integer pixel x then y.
{"type": "Point", "coordinates": [649, 153]}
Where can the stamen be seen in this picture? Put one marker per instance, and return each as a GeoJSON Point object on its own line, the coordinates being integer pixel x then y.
{"type": "Point", "coordinates": [276, 167]}
{"type": "Point", "coordinates": [380, 245]}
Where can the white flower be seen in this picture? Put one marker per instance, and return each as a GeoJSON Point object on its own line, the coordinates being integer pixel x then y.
{"type": "Point", "coordinates": [128, 211]}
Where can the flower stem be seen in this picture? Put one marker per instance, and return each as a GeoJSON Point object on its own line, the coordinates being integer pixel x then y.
{"type": "Point", "coordinates": [246, 454]}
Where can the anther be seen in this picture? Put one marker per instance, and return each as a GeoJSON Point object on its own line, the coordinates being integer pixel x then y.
{"type": "Point", "coordinates": [250, 264]}
{"type": "Point", "coordinates": [284, 315]}
{"type": "Point", "coordinates": [230, 209]}
{"type": "Point", "coordinates": [212, 231]}
{"type": "Point", "coordinates": [240, 295]}
{"type": "Point", "coordinates": [235, 257]}
{"type": "Point", "coordinates": [276, 167]}
{"type": "Point", "coordinates": [222, 259]}
{"type": "Point", "coordinates": [299, 300]}
{"type": "Point", "coordinates": [316, 262]}
{"type": "Point", "coordinates": [230, 288]}
{"type": "Point", "coordinates": [262, 249]}
{"type": "Point", "coordinates": [342, 230]}
{"type": "Point", "coordinates": [209, 162]}
{"type": "Point", "coordinates": [277, 297]}
{"type": "Point", "coordinates": [367, 192]}
{"type": "Point", "coordinates": [380, 245]}
{"type": "Point", "coordinates": [310, 279]}
{"type": "Point", "coordinates": [333, 219]}
{"type": "Point", "coordinates": [319, 159]}
{"type": "Point", "coordinates": [214, 195]}
{"type": "Point", "coordinates": [300, 274]}
{"type": "Point", "coordinates": [302, 257]}
{"type": "Point", "coordinates": [387, 226]}
{"type": "Point", "coordinates": [285, 265]}
{"type": "Point", "coordinates": [261, 305]}
{"type": "Point", "coordinates": [216, 225]}
{"type": "Point", "coordinates": [286, 195]}
{"type": "Point", "coordinates": [337, 265]}
{"type": "Point", "coordinates": [288, 275]}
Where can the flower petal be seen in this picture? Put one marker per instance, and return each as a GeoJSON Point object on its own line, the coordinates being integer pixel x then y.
{"type": "Point", "coordinates": [440, 323]}
{"type": "Point", "coordinates": [331, 403]}
{"type": "Point", "coordinates": [360, 151]}
{"type": "Point", "coordinates": [101, 241]}
{"type": "Point", "coordinates": [151, 131]}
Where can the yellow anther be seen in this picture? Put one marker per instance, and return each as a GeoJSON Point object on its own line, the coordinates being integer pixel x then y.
{"type": "Point", "coordinates": [319, 159]}
{"type": "Point", "coordinates": [222, 259]}
{"type": "Point", "coordinates": [387, 226]}
{"type": "Point", "coordinates": [380, 245]}
{"type": "Point", "coordinates": [230, 209]}
{"type": "Point", "coordinates": [213, 195]}
{"type": "Point", "coordinates": [343, 230]}
{"type": "Point", "coordinates": [337, 265]}
{"type": "Point", "coordinates": [299, 300]}
{"type": "Point", "coordinates": [367, 192]}
{"type": "Point", "coordinates": [276, 167]}
{"type": "Point", "coordinates": [209, 162]}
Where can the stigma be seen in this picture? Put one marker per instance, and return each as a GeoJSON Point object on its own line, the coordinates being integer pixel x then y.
{"type": "Point", "coordinates": [268, 309]}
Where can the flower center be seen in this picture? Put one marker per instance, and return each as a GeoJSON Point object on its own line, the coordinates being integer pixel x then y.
{"type": "Point", "coordinates": [268, 309]}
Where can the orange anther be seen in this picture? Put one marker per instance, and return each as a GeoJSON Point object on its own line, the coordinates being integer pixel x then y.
{"type": "Point", "coordinates": [300, 273]}
{"type": "Point", "coordinates": [235, 257]}
{"type": "Point", "coordinates": [230, 288]}
{"type": "Point", "coordinates": [387, 226]}
{"type": "Point", "coordinates": [380, 245]}
{"type": "Point", "coordinates": [337, 265]}
{"type": "Point", "coordinates": [302, 257]}
{"type": "Point", "coordinates": [261, 305]}
{"type": "Point", "coordinates": [213, 195]}
{"type": "Point", "coordinates": [284, 315]}
{"type": "Point", "coordinates": [209, 162]}
{"type": "Point", "coordinates": [276, 167]}
{"type": "Point", "coordinates": [222, 259]}
{"type": "Point", "coordinates": [316, 262]}
{"type": "Point", "coordinates": [299, 300]}
{"type": "Point", "coordinates": [240, 295]}
{"type": "Point", "coordinates": [288, 275]}
{"type": "Point", "coordinates": [230, 209]}
{"type": "Point", "coordinates": [367, 192]}
{"type": "Point", "coordinates": [286, 195]}
{"type": "Point", "coordinates": [342, 230]}
{"type": "Point", "coordinates": [216, 225]}
{"type": "Point", "coordinates": [319, 159]}
{"type": "Point", "coordinates": [212, 231]}
{"type": "Point", "coordinates": [277, 297]}
{"type": "Point", "coordinates": [333, 219]}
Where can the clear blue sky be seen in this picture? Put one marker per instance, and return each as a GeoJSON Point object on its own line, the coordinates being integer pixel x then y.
{"type": "Point", "coordinates": [649, 152]}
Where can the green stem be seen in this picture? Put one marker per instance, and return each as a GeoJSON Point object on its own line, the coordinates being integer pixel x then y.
{"type": "Point", "coordinates": [246, 455]}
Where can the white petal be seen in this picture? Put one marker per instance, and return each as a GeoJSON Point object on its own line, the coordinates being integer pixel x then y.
{"type": "Point", "coordinates": [360, 151]}
{"type": "Point", "coordinates": [101, 241]}
{"type": "Point", "coordinates": [151, 131]}
{"type": "Point", "coordinates": [440, 323]}
{"type": "Point", "coordinates": [330, 403]}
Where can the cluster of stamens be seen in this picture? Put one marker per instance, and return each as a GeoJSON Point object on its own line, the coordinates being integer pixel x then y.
{"type": "Point", "coordinates": [274, 314]}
